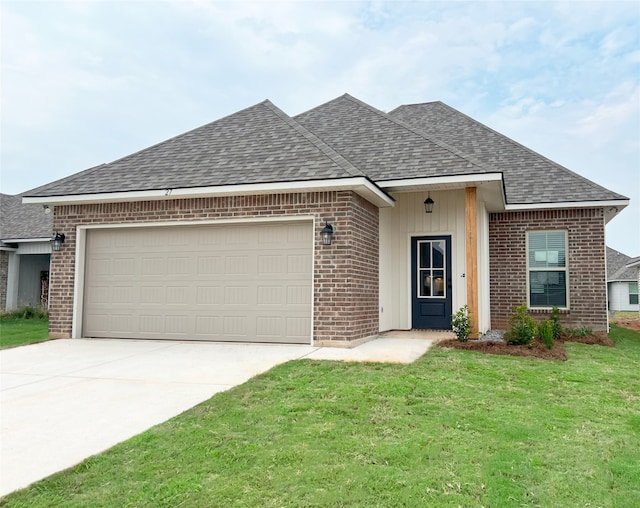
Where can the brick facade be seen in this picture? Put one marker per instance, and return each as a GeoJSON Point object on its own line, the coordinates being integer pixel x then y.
{"type": "Point", "coordinates": [585, 257]}
{"type": "Point", "coordinates": [4, 278]}
{"type": "Point", "coordinates": [345, 273]}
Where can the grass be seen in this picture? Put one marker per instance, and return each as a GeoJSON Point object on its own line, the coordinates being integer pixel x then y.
{"type": "Point", "coordinates": [25, 326]}
{"type": "Point", "coordinates": [456, 428]}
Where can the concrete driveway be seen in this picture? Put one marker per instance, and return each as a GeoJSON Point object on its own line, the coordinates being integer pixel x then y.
{"type": "Point", "coordinates": [65, 400]}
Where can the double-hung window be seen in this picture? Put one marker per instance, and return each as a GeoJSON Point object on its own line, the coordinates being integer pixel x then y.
{"type": "Point", "coordinates": [547, 273]}
{"type": "Point", "coordinates": [633, 293]}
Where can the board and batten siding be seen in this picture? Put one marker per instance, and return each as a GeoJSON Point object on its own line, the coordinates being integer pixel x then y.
{"type": "Point", "coordinates": [619, 296]}
{"type": "Point", "coordinates": [407, 219]}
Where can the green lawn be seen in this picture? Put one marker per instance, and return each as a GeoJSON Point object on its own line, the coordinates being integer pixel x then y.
{"type": "Point", "coordinates": [456, 428]}
{"type": "Point", "coordinates": [20, 331]}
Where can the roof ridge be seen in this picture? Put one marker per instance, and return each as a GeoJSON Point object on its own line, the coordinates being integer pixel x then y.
{"type": "Point", "coordinates": [591, 183]}
{"type": "Point", "coordinates": [424, 135]}
{"type": "Point", "coordinates": [325, 148]}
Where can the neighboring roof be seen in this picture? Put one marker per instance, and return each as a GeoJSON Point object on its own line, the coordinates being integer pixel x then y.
{"type": "Point", "coordinates": [20, 221]}
{"type": "Point", "coordinates": [617, 267]}
{"type": "Point", "coordinates": [529, 177]}
{"type": "Point", "coordinates": [634, 263]}
{"type": "Point", "coordinates": [342, 139]}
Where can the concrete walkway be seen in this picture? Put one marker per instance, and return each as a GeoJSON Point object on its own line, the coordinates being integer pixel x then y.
{"type": "Point", "coordinates": [62, 401]}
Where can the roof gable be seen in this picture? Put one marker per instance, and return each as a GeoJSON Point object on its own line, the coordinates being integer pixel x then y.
{"type": "Point", "coordinates": [529, 177]}
{"type": "Point", "coordinates": [381, 146]}
{"type": "Point", "coordinates": [260, 144]}
{"type": "Point", "coordinates": [617, 266]}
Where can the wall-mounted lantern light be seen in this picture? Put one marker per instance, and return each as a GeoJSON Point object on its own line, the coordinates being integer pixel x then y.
{"type": "Point", "coordinates": [57, 241]}
{"type": "Point", "coordinates": [326, 234]}
{"type": "Point", "coordinates": [428, 204]}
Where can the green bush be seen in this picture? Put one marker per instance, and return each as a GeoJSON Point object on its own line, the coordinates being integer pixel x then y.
{"type": "Point", "coordinates": [555, 323]}
{"type": "Point", "coordinates": [461, 324]}
{"type": "Point", "coordinates": [545, 330]}
{"type": "Point", "coordinates": [26, 312]}
{"type": "Point", "coordinates": [523, 327]}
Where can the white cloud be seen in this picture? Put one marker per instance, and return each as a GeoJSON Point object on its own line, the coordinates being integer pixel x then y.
{"type": "Point", "coordinates": [88, 81]}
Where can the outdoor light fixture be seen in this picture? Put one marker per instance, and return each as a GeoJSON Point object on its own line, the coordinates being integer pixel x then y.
{"type": "Point", "coordinates": [57, 241]}
{"type": "Point", "coordinates": [326, 234]}
{"type": "Point", "coordinates": [428, 204]}
{"type": "Point", "coordinates": [47, 210]}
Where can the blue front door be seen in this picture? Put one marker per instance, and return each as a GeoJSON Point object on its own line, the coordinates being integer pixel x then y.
{"type": "Point", "coordinates": [431, 282]}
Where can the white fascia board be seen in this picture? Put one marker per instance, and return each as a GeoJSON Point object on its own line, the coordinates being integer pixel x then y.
{"type": "Point", "coordinates": [611, 208]}
{"type": "Point", "coordinates": [359, 185]}
{"type": "Point", "coordinates": [571, 204]}
{"type": "Point", "coordinates": [26, 240]}
{"type": "Point", "coordinates": [440, 180]}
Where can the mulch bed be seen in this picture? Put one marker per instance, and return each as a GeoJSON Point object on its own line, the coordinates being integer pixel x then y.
{"type": "Point", "coordinates": [536, 350]}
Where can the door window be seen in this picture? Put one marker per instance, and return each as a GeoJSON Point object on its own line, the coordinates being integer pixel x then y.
{"type": "Point", "coordinates": [431, 269]}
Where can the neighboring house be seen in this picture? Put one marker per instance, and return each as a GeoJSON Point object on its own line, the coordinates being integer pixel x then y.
{"type": "Point", "coordinates": [217, 234]}
{"type": "Point", "coordinates": [634, 264]}
{"type": "Point", "coordinates": [622, 281]}
{"type": "Point", "coordinates": [25, 253]}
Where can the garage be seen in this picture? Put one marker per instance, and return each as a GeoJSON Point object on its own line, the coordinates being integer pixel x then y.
{"type": "Point", "coordinates": [241, 282]}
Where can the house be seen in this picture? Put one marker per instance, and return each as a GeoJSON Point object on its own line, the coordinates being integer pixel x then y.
{"type": "Point", "coordinates": [622, 282]}
{"type": "Point", "coordinates": [634, 264]}
{"type": "Point", "coordinates": [325, 228]}
{"type": "Point", "coordinates": [25, 253]}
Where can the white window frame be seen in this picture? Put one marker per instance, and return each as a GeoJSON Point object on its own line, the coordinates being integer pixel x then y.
{"type": "Point", "coordinates": [548, 269]}
{"type": "Point", "coordinates": [636, 293]}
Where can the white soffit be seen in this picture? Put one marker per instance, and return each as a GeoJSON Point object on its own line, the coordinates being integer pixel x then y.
{"type": "Point", "coordinates": [359, 185]}
{"type": "Point", "coordinates": [439, 182]}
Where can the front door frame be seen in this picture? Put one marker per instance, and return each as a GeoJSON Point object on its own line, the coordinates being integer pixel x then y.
{"type": "Point", "coordinates": [445, 322]}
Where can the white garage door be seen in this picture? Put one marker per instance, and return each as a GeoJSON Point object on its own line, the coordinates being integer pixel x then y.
{"type": "Point", "coordinates": [249, 282]}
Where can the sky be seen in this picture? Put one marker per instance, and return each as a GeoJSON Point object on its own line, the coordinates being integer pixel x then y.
{"type": "Point", "coordinates": [86, 82]}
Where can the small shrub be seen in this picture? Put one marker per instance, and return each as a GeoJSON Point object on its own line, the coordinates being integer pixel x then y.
{"type": "Point", "coordinates": [545, 330]}
{"type": "Point", "coordinates": [523, 327]}
{"type": "Point", "coordinates": [461, 324]}
{"type": "Point", "coordinates": [555, 323]}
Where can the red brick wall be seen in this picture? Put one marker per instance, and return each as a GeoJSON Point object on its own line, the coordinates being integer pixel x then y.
{"type": "Point", "coordinates": [346, 273]}
{"type": "Point", "coordinates": [346, 295]}
{"type": "Point", "coordinates": [585, 257]}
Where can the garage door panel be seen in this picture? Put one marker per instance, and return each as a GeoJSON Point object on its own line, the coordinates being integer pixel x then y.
{"type": "Point", "coordinates": [232, 283]}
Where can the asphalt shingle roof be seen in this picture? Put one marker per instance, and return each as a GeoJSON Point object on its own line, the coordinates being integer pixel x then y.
{"type": "Point", "coordinates": [616, 267]}
{"type": "Point", "coordinates": [259, 144]}
{"type": "Point", "coordinates": [382, 147]}
{"type": "Point", "coordinates": [342, 138]}
{"type": "Point", "coordinates": [529, 177]}
{"type": "Point", "coordinates": [20, 221]}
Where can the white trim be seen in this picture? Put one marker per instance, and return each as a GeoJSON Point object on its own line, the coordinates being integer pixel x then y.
{"type": "Point", "coordinates": [359, 185]}
{"type": "Point", "coordinates": [27, 240]}
{"type": "Point", "coordinates": [81, 251]}
{"type": "Point", "coordinates": [570, 204]}
{"type": "Point", "coordinates": [529, 269]}
{"type": "Point", "coordinates": [441, 180]}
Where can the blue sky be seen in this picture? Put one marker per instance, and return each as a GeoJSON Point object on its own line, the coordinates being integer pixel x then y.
{"type": "Point", "coordinates": [86, 82]}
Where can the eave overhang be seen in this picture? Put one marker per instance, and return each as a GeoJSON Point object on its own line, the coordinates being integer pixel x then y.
{"type": "Point", "coordinates": [360, 185]}
{"type": "Point", "coordinates": [611, 207]}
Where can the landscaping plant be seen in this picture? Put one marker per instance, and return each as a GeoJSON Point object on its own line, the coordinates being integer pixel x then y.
{"type": "Point", "coordinates": [545, 330]}
{"type": "Point", "coordinates": [523, 327]}
{"type": "Point", "coordinates": [461, 324]}
{"type": "Point", "coordinates": [555, 323]}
